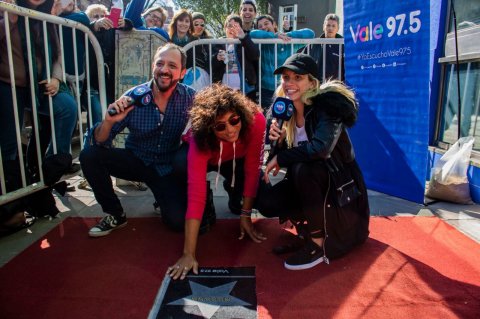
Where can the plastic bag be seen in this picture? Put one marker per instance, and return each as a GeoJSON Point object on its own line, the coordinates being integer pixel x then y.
{"type": "Point", "coordinates": [449, 180]}
{"type": "Point", "coordinates": [199, 81]}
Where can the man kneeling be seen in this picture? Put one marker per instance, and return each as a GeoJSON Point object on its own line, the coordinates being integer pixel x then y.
{"type": "Point", "coordinates": [155, 122]}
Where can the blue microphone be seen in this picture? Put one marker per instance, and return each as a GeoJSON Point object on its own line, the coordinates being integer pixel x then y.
{"type": "Point", "coordinates": [282, 110]}
{"type": "Point", "coordinates": [140, 96]}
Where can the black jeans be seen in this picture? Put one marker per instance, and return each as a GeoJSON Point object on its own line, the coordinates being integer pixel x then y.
{"type": "Point", "coordinates": [299, 196]}
{"type": "Point", "coordinates": [100, 163]}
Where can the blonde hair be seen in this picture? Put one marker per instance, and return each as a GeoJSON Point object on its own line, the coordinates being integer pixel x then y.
{"type": "Point", "coordinates": [329, 86]}
{"type": "Point", "coordinates": [91, 9]}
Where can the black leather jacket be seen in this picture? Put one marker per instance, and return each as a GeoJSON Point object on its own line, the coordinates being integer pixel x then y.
{"type": "Point", "coordinates": [325, 124]}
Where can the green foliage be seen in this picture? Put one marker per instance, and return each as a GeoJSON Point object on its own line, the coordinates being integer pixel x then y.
{"type": "Point", "coordinates": [216, 11]}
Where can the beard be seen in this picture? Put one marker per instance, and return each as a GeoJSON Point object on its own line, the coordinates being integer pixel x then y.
{"type": "Point", "coordinates": [165, 87]}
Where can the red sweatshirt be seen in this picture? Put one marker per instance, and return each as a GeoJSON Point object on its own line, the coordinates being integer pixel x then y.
{"type": "Point", "coordinates": [249, 147]}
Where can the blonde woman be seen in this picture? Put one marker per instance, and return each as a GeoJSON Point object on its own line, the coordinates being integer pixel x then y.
{"type": "Point", "coordinates": [324, 193]}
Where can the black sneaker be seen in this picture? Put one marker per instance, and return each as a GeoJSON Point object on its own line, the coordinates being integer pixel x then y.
{"type": "Point", "coordinates": [308, 257]}
{"type": "Point", "coordinates": [291, 247]}
{"type": "Point", "coordinates": [108, 224]}
{"type": "Point", "coordinates": [234, 200]}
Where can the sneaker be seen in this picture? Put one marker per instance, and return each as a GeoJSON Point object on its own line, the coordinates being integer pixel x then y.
{"type": "Point", "coordinates": [234, 201]}
{"type": "Point", "coordinates": [292, 247]}
{"type": "Point", "coordinates": [108, 224]}
{"type": "Point", "coordinates": [308, 257]}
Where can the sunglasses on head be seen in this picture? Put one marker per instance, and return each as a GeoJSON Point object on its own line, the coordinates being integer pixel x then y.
{"type": "Point", "coordinates": [222, 126]}
{"type": "Point", "coordinates": [199, 25]}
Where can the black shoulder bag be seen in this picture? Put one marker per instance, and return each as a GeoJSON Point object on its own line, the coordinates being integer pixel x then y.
{"type": "Point", "coordinates": [345, 189]}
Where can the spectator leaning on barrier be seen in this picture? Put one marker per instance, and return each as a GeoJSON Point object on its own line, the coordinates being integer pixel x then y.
{"type": "Point", "coordinates": [202, 52]}
{"type": "Point", "coordinates": [66, 9]}
{"type": "Point", "coordinates": [248, 13]}
{"type": "Point", "coordinates": [43, 88]}
{"type": "Point", "coordinates": [333, 52]}
{"type": "Point", "coordinates": [151, 19]}
{"type": "Point", "coordinates": [181, 33]}
{"type": "Point", "coordinates": [286, 26]}
{"type": "Point", "coordinates": [156, 122]}
{"type": "Point", "coordinates": [227, 59]}
{"type": "Point", "coordinates": [154, 17]}
{"type": "Point", "coordinates": [96, 12]}
{"type": "Point", "coordinates": [200, 26]}
{"type": "Point", "coordinates": [64, 106]}
{"type": "Point", "coordinates": [267, 29]}
{"type": "Point", "coordinates": [226, 136]}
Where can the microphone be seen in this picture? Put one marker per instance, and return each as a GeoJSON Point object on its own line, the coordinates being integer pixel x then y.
{"type": "Point", "coordinates": [140, 96]}
{"type": "Point", "coordinates": [282, 110]}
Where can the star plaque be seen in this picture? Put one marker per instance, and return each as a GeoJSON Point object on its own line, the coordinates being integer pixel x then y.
{"type": "Point", "coordinates": [212, 294]}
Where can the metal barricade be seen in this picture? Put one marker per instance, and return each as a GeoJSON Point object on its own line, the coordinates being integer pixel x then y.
{"type": "Point", "coordinates": [63, 25]}
{"type": "Point", "coordinates": [294, 45]}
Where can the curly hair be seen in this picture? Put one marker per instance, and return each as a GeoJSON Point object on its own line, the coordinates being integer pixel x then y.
{"type": "Point", "coordinates": [217, 100]}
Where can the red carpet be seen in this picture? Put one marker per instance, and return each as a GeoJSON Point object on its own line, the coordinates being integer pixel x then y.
{"type": "Point", "coordinates": [416, 267]}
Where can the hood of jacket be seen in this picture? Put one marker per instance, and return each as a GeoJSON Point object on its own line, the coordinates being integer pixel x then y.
{"type": "Point", "coordinates": [337, 105]}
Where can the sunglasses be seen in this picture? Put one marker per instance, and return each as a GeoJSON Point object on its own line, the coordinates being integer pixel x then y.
{"type": "Point", "coordinates": [199, 25]}
{"type": "Point", "coordinates": [222, 126]}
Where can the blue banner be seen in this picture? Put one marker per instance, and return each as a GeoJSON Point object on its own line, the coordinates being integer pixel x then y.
{"type": "Point", "coordinates": [387, 54]}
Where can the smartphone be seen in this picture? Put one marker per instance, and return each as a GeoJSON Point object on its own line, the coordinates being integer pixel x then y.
{"type": "Point", "coordinates": [114, 16]}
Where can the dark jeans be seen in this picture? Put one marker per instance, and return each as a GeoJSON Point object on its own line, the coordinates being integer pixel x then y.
{"type": "Point", "coordinates": [64, 115]}
{"type": "Point", "coordinates": [299, 196]}
{"type": "Point", "coordinates": [100, 163]}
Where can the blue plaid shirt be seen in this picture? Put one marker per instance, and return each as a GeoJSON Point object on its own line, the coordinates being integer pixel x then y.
{"type": "Point", "coordinates": [155, 137]}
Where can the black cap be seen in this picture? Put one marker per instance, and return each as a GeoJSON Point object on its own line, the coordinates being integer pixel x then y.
{"type": "Point", "coordinates": [299, 63]}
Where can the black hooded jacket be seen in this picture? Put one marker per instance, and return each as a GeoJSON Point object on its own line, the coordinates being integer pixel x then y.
{"type": "Point", "coordinates": [325, 122]}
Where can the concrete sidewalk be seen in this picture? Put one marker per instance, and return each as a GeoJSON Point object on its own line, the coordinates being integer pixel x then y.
{"type": "Point", "coordinates": [137, 203]}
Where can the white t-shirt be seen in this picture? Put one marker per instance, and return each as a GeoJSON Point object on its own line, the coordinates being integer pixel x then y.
{"type": "Point", "coordinates": [232, 77]}
{"type": "Point", "coordinates": [300, 136]}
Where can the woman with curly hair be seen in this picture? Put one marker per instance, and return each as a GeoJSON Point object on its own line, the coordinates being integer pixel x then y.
{"type": "Point", "coordinates": [227, 136]}
{"type": "Point", "coordinates": [323, 193]}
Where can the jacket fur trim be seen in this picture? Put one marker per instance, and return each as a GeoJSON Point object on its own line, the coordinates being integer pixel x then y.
{"type": "Point", "coordinates": [337, 105]}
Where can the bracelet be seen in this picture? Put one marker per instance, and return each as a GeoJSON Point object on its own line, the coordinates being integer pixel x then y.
{"type": "Point", "coordinates": [246, 213]}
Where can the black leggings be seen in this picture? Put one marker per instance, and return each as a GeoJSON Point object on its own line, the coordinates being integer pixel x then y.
{"type": "Point", "coordinates": [299, 196]}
